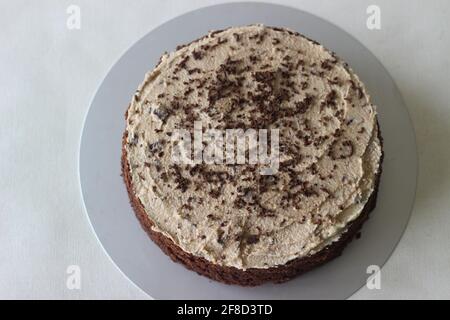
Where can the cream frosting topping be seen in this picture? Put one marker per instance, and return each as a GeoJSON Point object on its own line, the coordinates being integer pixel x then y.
{"type": "Point", "coordinates": [262, 78]}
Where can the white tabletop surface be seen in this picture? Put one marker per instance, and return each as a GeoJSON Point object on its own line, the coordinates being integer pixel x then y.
{"type": "Point", "coordinates": [49, 74]}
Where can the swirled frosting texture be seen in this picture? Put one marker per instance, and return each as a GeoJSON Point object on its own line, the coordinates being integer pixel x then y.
{"type": "Point", "coordinates": [261, 78]}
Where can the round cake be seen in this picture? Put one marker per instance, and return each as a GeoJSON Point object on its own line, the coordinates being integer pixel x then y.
{"type": "Point", "coordinates": [252, 220]}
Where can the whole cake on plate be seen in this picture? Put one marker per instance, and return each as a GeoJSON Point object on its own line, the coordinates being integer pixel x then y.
{"type": "Point", "coordinates": [234, 221]}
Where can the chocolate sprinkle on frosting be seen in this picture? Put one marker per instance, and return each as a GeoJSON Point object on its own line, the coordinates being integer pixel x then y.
{"type": "Point", "coordinates": [254, 77]}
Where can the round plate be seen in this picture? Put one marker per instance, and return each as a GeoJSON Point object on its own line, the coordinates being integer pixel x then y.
{"type": "Point", "coordinates": [106, 199]}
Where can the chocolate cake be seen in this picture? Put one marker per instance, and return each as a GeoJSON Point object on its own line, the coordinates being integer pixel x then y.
{"type": "Point", "coordinates": [242, 223]}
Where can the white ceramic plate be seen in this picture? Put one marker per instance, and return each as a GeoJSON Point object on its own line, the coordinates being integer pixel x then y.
{"type": "Point", "coordinates": [105, 196]}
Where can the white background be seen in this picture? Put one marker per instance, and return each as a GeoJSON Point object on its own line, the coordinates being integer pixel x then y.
{"type": "Point", "coordinates": [49, 74]}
